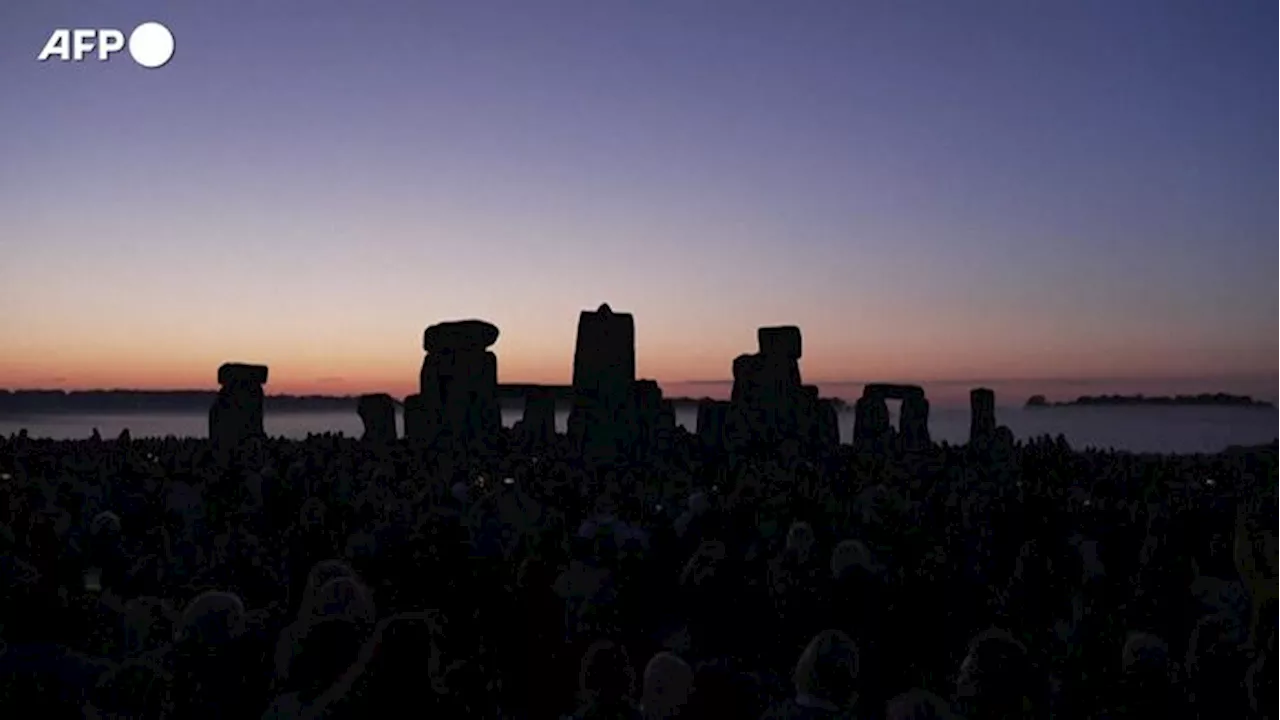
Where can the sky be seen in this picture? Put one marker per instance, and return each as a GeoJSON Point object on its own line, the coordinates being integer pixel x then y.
{"type": "Point", "coordinates": [1056, 194]}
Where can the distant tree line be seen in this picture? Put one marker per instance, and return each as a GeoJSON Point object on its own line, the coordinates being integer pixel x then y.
{"type": "Point", "coordinates": [1203, 399]}
{"type": "Point", "coordinates": [153, 401]}
{"type": "Point", "coordinates": [15, 402]}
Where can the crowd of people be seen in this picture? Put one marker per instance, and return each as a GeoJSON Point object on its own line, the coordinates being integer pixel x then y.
{"type": "Point", "coordinates": [332, 578]}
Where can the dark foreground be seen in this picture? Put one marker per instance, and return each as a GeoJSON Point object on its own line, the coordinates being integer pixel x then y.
{"type": "Point", "coordinates": [326, 578]}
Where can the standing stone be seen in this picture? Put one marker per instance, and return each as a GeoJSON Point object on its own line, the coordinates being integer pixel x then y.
{"type": "Point", "coordinates": [819, 420]}
{"type": "Point", "coordinates": [539, 422]}
{"type": "Point", "coordinates": [378, 413]}
{"type": "Point", "coordinates": [646, 405]}
{"type": "Point", "coordinates": [828, 424]}
{"type": "Point", "coordinates": [982, 414]}
{"type": "Point", "coordinates": [913, 421]}
{"type": "Point", "coordinates": [807, 415]}
{"type": "Point", "coordinates": [665, 431]}
{"type": "Point", "coordinates": [604, 359]}
{"type": "Point", "coordinates": [712, 416]}
{"type": "Point", "coordinates": [745, 423]}
{"type": "Point", "coordinates": [768, 402]}
{"type": "Point", "coordinates": [781, 393]}
{"type": "Point", "coordinates": [459, 384]}
{"type": "Point", "coordinates": [236, 413]}
{"type": "Point", "coordinates": [746, 378]}
{"type": "Point", "coordinates": [871, 419]}
{"type": "Point", "coordinates": [604, 368]}
{"type": "Point", "coordinates": [418, 425]}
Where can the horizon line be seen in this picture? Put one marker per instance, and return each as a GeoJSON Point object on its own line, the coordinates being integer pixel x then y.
{"type": "Point", "coordinates": [1060, 380]}
{"type": "Point", "coordinates": [967, 382]}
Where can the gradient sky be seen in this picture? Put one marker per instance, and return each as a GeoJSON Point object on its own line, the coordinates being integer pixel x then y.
{"type": "Point", "coordinates": [933, 191]}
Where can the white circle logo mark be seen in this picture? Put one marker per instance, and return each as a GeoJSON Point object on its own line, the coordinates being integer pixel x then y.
{"type": "Point", "coordinates": [151, 45]}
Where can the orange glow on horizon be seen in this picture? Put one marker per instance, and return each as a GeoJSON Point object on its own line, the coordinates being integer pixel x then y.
{"type": "Point", "coordinates": [683, 365]}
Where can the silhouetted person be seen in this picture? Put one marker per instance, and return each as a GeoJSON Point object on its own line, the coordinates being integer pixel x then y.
{"type": "Point", "coordinates": [606, 685]}
{"type": "Point", "coordinates": [918, 705]}
{"type": "Point", "coordinates": [825, 680]}
{"type": "Point", "coordinates": [996, 680]}
{"type": "Point", "coordinates": [668, 685]}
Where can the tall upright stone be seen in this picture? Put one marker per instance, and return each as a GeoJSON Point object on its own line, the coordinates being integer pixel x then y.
{"type": "Point", "coordinates": [665, 431]}
{"type": "Point", "coordinates": [819, 420]}
{"type": "Point", "coordinates": [604, 358]}
{"type": "Point", "coordinates": [236, 414]}
{"type": "Point", "coordinates": [768, 402]}
{"type": "Point", "coordinates": [712, 416]}
{"type": "Point", "coordinates": [807, 415]}
{"type": "Point", "coordinates": [828, 424]}
{"type": "Point", "coordinates": [419, 425]}
{"type": "Point", "coordinates": [745, 423]}
{"type": "Point", "coordinates": [538, 426]}
{"type": "Point", "coordinates": [746, 379]}
{"type": "Point", "coordinates": [982, 414]}
{"type": "Point", "coordinates": [604, 368]}
{"type": "Point", "coordinates": [378, 414]}
{"type": "Point", "coordinates": [871, 420]}
{"type": "Point", "coordinates": [913, 421]}
{"type": "Point", "coordinates": [646, 406]}
{"type": "Point", "coordinates": [782, 398]}
{"type": "Point", "coordinates": [458, 386]}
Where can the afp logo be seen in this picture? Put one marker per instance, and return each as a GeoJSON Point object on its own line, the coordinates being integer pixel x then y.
{"type": "Point", "coordinates": [150, 44]}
